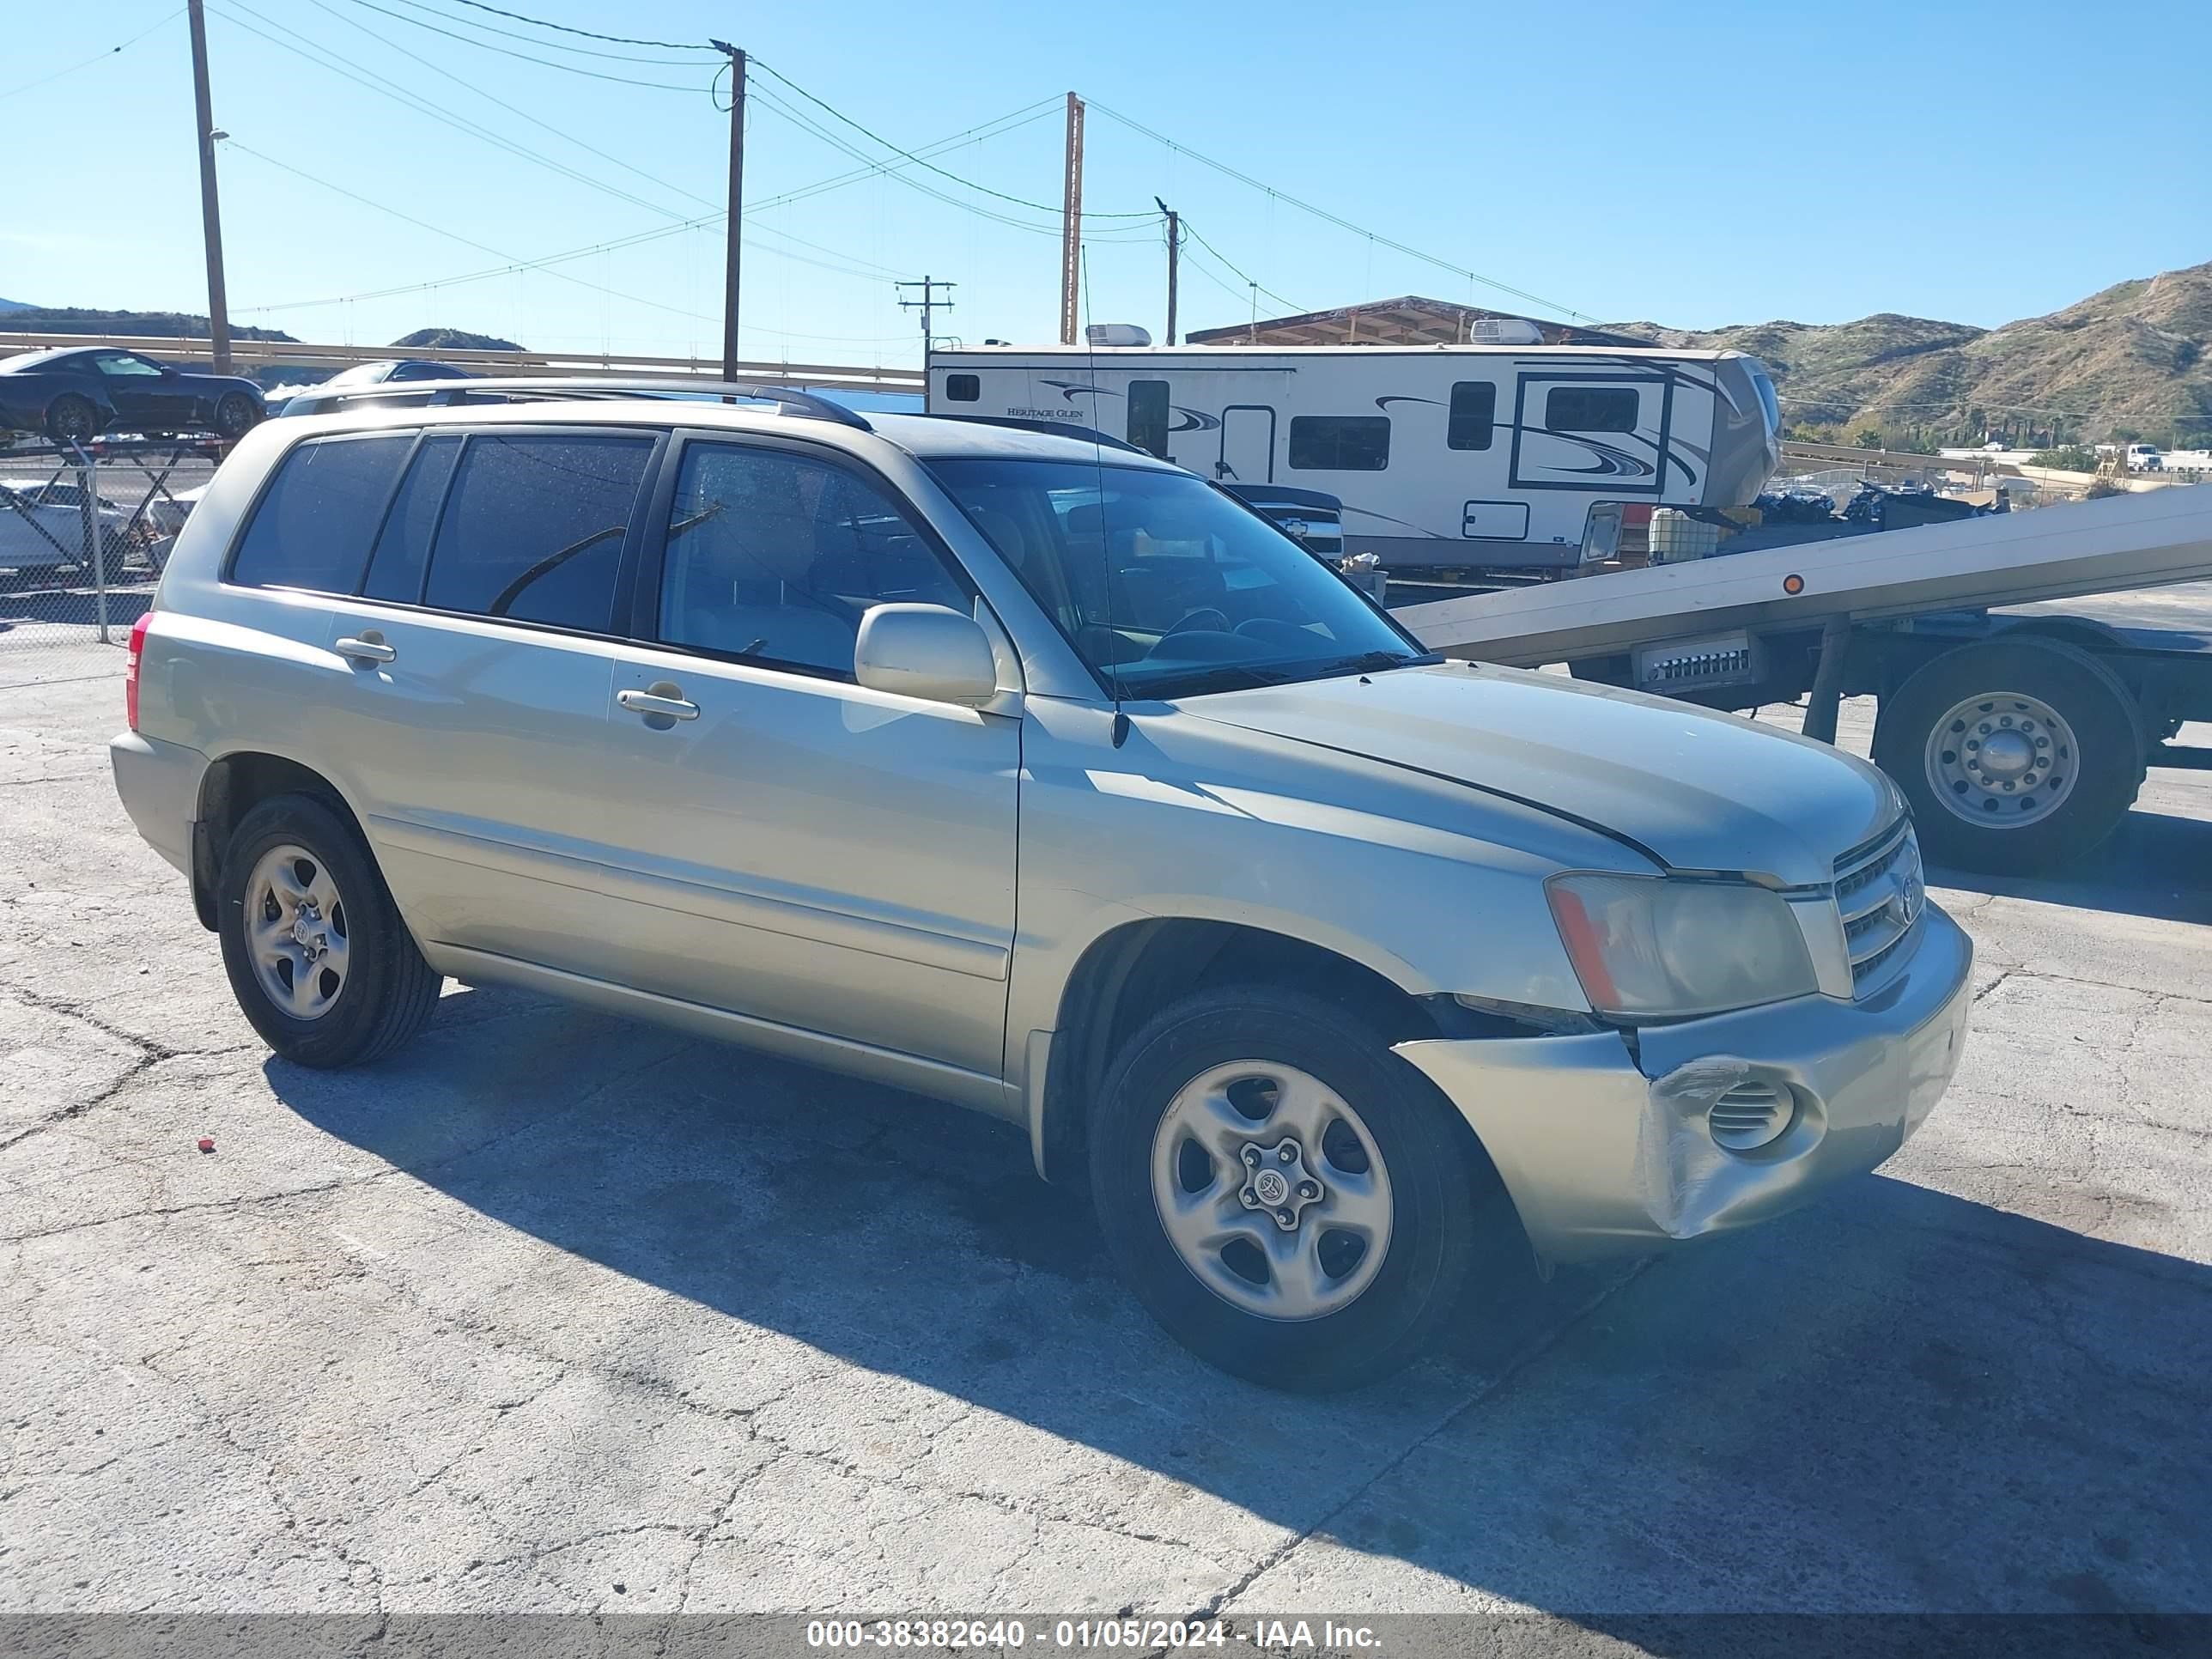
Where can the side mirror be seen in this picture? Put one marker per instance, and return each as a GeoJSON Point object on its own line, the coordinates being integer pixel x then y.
{"type": "Point", "coordinates": [929, 650]}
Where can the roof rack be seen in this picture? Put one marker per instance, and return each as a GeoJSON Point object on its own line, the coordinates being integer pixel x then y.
{"type": "Point", "coordinates": [440, 394]}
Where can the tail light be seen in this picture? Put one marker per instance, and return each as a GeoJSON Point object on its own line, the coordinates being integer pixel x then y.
{"type": "Point", "coordinates": [130, 670]}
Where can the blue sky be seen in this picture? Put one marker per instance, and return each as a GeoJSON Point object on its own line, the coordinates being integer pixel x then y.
{"type": "Point", "coordinates": [1696, 164]}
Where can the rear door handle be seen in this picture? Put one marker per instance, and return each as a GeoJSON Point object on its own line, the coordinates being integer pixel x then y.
{"type": "Point", "coordinates": [651, 704]}
{"type": "Point", "coordinates": [364, 650]}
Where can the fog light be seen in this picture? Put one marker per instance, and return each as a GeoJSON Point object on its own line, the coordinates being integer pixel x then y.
{"type": "Point", "coordinates": [1750, 1115]}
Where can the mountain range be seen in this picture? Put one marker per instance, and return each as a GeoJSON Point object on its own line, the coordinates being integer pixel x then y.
{"type": "Point", "coordinates": [2129, 362]}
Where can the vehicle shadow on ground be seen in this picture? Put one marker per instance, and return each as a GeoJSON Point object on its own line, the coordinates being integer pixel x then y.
{"type": "Point", "coordinates": [1896, 1399]}
{"type": "Point", "coordinates": [2154, 866]}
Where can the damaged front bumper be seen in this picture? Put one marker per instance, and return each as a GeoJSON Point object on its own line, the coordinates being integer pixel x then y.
{"type": "Point", "coordinates": [1607, 1145]}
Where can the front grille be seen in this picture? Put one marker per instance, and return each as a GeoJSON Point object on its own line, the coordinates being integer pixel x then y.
{"type": "Point", "coordinates": [1749, 1115]}
{"type": "Point", "coordinates": [1880, 896]}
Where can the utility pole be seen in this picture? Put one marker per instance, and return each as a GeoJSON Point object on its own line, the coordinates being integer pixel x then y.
{"type": "Point", "coordinates": [927, 305]}
{"type": "Point", "coordinates": [735, 239]}
{"type": "Point", "coordinates": [210, 213]}
{"type": "Point", "coordinates": [1071, 223]}
{"type": "Point", "coordinates": [1175, 247]}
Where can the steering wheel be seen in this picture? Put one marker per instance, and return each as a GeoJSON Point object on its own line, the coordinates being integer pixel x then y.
{"type": "Point", "coordinates": [1206, 616]}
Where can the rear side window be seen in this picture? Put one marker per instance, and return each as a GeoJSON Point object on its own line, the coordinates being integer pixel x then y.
{"type": "Point", "coordinates": [1473, 415]}
{"type": "Point", "coordinates": [1148, 416]}
{"type": "Point", "coordinates": [312, 526]}
{"type": "Point", "coordinates": [1340, 443]}
{"type": "Point", "coordinates": [962, 388]}
{"type": "Point", "coordinates": [1589, 408]}
{"type": "Point", "coordinates": [395, 569]}
{"type": "Point", "coordinates": [533, 528]}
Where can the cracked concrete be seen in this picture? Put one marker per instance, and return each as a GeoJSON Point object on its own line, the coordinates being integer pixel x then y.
{"type": "Point", "coordinates": [555, 1313]}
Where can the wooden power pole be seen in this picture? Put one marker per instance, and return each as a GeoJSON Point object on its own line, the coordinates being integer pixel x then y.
{"type": "Point", "coordinates": [734, 239]}
{"type": "Point", "coordinates": [1175, 247]}
{"type": "Point", "coordinates": [1071, 224]}
{"type": "Point", "coordinates": [210, 211]}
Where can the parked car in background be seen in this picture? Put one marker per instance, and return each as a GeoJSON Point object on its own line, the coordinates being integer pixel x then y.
{"type": "Point", "coordinates": [1346, 976]}
{"type": "Point", "coordinates": [70, 395]}
{"type": "Point", "coordinates": [42, 533]}
{"type": "Point", "coordinates": [317, 400]}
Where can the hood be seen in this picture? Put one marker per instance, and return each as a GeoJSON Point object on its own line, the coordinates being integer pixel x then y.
{"type": "Point", "coordinates": [1692, 788]}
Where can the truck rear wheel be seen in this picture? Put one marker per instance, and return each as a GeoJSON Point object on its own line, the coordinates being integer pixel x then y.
{"type": "Point", "coordinates": [2017, 754]}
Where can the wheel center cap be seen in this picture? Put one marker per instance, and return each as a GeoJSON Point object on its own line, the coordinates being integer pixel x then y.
{"type": "Point", "coordinates": [1272, 1188]}
{"type": "Point", "coordinates": [1277, 1181]}
{"type": "Point", "coordinates": [2007, 754]}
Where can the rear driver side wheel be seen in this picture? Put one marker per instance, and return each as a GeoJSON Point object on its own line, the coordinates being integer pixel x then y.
{"type": "Point", "coordinates": [1293, 1201]}
{"type": "Point", "coordinates": [318, 957]}
{"type": "Point", "coordinates": [72, 419]}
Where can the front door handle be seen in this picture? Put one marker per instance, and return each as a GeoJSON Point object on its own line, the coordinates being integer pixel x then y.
{"type": "Point", "coordinates": [368, 648]}
{"type": "Point", "coordinates": [660, 703]}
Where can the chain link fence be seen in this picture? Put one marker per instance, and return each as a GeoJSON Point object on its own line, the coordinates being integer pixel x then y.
{"type": "Point", "coordinates": [85, 530]}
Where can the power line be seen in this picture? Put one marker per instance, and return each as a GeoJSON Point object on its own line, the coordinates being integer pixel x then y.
{"type": "Point", "coordinates": [615, 39]}
{"type": "Point", "coordinates": [549, 126]}
{"type": "Point", "coordinates": [1226, 260]}
{"type": "Point", "coordinates": [560, 45]}
{"type": "Point", "coordinates": [509, 51]}
{"type": "Point", "coordinates": [1338, 220]}
{"type": "Point", "coordinates": [97, 58]}
{"type": "Point", "coordinates": [299, 46]}
{"type": "Point", "coordinates": [1018, 201]}
{"type": "Point", "coordinates": [451, 235]}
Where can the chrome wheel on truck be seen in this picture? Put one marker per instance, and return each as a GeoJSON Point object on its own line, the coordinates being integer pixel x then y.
{"type": "Point", "coordinates": [2002, 759]}
{"type": "Point", "coordinates": [2018, 754]}
{"type": "Point", "coordinates": [1271, 1190]}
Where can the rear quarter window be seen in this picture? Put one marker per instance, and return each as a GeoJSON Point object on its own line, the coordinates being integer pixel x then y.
{"type": "Point", "coordinates": [313, 524]}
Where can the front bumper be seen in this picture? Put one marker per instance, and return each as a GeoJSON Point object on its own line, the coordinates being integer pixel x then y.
{"type": "Point", "coordinates": [1605, 1150]}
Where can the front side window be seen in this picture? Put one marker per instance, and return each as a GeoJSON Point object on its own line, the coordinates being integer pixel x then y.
{"type": "Point", "coordinates": [122, 363]}
{"type": "Point", "coordinates": [775, 557]}
{"type": "Point", "coordinates": [1166, 586]}
{"type": "Point", "coordinates": [1148, 416]}
{"type": "Point", "coordinates": [1473, 416]}
{"type": "Point", "coordinates": [534, 527]}
{"type": "Point", "coordinates": [1589, 408]}
{"type": "Point", "coordinates": [1340, 443]}
{"type": "Point", "coordinates": [313, 524]}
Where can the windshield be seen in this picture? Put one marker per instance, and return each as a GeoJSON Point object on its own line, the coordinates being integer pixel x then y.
{"type": "Point", "coordinates": [1165, 586]}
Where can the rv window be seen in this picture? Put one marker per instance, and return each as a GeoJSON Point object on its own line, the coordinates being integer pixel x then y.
{"type": "Point", "coordinates": [1340, 443]}
{"type": "Point", "coordinates": [1474, 410]}
{"type": "Point", "coordinates": [1589, 408]}
{"type": "Point", "coordinates": [1148, 416]}
{"type": "Point", "coordinates": [962, 388]}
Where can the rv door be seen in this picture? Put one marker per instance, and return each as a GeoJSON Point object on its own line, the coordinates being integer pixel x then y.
{"type": "Point", "coordinates": [1248, 445]}
{"type": "Point", "coordinates": [1602, 433]}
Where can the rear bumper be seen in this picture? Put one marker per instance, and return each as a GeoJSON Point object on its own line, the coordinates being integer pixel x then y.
{"type": "Point", "coordinates": [159, 784]}
{"type": "Point", "coordinates": [1605, 1151]}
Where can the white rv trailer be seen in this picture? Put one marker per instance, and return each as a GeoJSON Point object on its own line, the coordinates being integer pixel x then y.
{"type": "Point", "coordinates": [1503, 457]}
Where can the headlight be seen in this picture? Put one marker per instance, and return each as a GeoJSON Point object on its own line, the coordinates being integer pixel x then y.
{"type": "Point", "coordinates": [1650, 946]}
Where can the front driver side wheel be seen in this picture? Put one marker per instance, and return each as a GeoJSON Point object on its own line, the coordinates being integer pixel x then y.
{"type": "Point", "coordinates": [318, 957]}
{"type": "Point", "coordinates": [1293, 1201]}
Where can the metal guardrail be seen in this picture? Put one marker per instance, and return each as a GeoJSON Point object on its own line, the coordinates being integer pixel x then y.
{"type": "Point", "coordinates": [291, 354]}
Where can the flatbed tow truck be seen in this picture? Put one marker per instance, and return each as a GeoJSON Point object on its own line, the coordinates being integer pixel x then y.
{"type": "Point", "coordinates": [2021, 740]}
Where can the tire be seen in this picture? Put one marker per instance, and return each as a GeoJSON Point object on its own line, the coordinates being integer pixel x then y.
{"type": "Point", "coordinates": [235, 415]}
{"type": "Point", "coordinates": [1962, 820]}
{"type": "Point", "coordinates": [72, 419]}
{"type": "Point", "coordinates": [1434, 1178]}
{"type": "Point", "coordinates": [385, 990]}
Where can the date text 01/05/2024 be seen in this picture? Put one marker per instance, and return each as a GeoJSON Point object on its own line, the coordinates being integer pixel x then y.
{"type": "Point", "coordinates": [1138, 1634]}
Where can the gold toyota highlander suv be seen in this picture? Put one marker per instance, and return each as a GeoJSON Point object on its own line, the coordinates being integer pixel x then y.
{"type": "Point", "coordinates": [1030, 773]}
